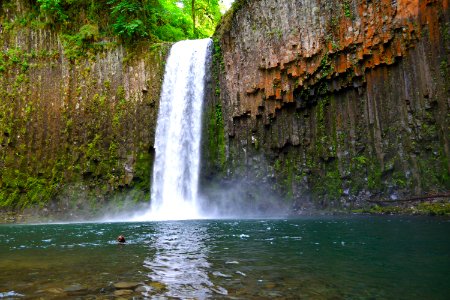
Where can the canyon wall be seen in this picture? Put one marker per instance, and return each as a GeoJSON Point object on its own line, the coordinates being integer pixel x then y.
{"type": "Point", "coordinates": [77, 122]}
{"type": "Point", "coordinates": [311, 104]}
{"type": "Point", "coordinates": [332, 103]}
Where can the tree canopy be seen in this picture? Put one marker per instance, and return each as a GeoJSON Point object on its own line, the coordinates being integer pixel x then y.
{"type": "Point", "coordinates": [130, 20]}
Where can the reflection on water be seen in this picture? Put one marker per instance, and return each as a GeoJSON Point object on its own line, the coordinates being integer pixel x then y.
{"type": "Point", "coordinates": [180, 261]}
{"type": "Point", "coordinates": [308, 258]}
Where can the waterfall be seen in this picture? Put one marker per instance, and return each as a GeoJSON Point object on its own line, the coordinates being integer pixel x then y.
{"type": "Point", "coordinates": [178, 132]}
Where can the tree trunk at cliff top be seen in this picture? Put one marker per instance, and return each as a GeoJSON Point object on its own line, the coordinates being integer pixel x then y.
{"type": "Point", "coordinates": [193, 17]}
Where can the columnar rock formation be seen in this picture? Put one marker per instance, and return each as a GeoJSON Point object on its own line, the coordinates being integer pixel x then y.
{"type": "Point", "coordinates": [78, 127]}
{"type": "Point", "coordinates": [337, 100]}
{"type": "Point", "coordinates": [321, 101]}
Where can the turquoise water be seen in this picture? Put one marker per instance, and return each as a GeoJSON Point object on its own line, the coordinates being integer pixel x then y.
{"type": "Point", "coordinates": [355, 257]}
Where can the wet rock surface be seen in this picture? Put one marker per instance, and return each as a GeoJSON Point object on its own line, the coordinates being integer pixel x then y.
{"type": "Point", "coordinates": [56, 108]}
{"type": "Point", "coordinates": [333, 103]}
{"type": "Point", "coordinates": [74, 289]}
{"type": "Point", "coordinates": [126, 285]}
{"type": "Point", "coordinates": [123, 292]}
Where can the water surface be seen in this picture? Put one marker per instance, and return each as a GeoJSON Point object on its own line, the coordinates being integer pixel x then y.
{"type": "Point", "coordinates": [354, 257]}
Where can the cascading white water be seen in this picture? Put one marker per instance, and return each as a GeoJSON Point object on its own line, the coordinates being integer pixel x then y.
{"type": "Point", "coordinates": [178, 133]}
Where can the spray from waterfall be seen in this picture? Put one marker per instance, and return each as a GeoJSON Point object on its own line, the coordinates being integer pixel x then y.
{"type": "Point", "coordinates": [178, 133]}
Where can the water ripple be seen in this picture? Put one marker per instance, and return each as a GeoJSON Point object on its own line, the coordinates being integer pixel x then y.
{"type": "Point", "coordinates": [180, 261]}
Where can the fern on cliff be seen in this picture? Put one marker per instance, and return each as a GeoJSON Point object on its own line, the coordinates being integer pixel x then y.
{"type": "Point", "coordinates": [133, 20]}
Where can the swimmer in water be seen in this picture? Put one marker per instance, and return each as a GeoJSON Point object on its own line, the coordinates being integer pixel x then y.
{"type": "Point", "coordinates": [121, 239]}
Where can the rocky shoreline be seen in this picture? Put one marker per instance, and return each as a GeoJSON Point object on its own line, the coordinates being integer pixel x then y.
{"type": "Point", "coordinates": [118, 289]}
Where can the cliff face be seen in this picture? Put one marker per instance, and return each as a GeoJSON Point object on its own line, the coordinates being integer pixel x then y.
{"type": "Point", "coordinates": [336, 101]}
{"type": "Point", "coordinates": [331, 102]}
{"type": "Point", "coordinates": [78, 128]}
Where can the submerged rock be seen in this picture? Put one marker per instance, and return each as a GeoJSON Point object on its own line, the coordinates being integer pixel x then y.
{"type": "Point", "coordinates": [142, 289]}
{"type": "Point", "coordinates": [75, 289]}
{"type": "Point", "coordinates": [126, 285]}
{"type": "Point", "coordinates": [157, 286]}
{"type": "Point", "coordinates": [123, 292]}
{"type": "Point", "coordinates": [54, 290]}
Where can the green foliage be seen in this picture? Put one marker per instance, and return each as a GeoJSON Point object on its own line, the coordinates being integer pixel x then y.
{"type": "Point", "coordinates": [80, 43]}
{"type": "Point", "coordinates": [433, 171]}
{"type": "Point", "coordinates": [443, 67]}
{"type": "Point", "coordinates": [53, 10]}
{"type": "Point", "coordinates": [333, 184]}
{"type": "Point", "coordinates": [93, 151]}
{"type": "Point", "coordinates": [2, 63]}
{"type": "Point", "coordinates": [225, 24]}
{"type": "Point", "coordinates": [86, 21]}
{"type": "Point", "coordinates": [142, 172]}
{"type": "Point", "coordinates": [204, 14]}
{"type": "Point", "coordinates": [441, 208]}
{"type": "Point", "coordinates": [167, 32]}
{"type": "Point", "coordinates": [88, 32]}
{"type": "Point", "coordinates": [377, 210]}
{"type": "Point", "coordinates": [330, 185]}
{"type": "Point", "coordinates": [20, 190]}
{"type": "Point", "coordinates": [434, 208]}
{"type": "Point", "coordinates": [276, 32]}
{"type": "Point", "coordinates": [326, 67]}
{"type": "Point", "coordinates": [127, 18]}
{"type": "Point", "coordinates": [360, 160]}
{"type": "Point", "coordinates": [218, 64]}
{"type": "Point", "coordinates": [277, 165]}
{"type": "Point", "coordinates": [217, 137]}
{"type": "Point", "coordinates": [374, 178]}
{"type": "Point", "coordinates": [347, 11]}
{"type": "Point", "coordinates": [400, 180]}
{"type": "Point", "coordinates": [14, 57]}
{"type": "Point", "coordinates": [169, 22]}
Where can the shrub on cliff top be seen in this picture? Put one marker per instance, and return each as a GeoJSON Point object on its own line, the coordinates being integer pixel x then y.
{"type": "Point", "coordinates": [53, 10]}
{"type": "Point", "coordinates": [132, 20]}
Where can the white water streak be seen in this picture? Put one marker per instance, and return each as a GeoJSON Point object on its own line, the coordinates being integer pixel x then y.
{"type": "Point", "coordinates": [178, 133]}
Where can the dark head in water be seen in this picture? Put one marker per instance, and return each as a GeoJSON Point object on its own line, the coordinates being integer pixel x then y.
{"type": "Point", "coordinates": [121, 239]}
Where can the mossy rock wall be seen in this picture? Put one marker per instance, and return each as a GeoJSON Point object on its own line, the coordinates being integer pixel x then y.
{"type": "Point", "coordinates": [333, 103]}
{"type": "Point", "coordinates": [74, 130]}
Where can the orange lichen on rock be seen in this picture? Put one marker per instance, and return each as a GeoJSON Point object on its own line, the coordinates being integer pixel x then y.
{"type": "Point", "coordinates": [428, 13]}
{"type": "Point", "coordinates": [341, 64]}
{"type": "Point", "coordinates": [407, 8]}
{"type": "Point", "coordinates": [355, 37]}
